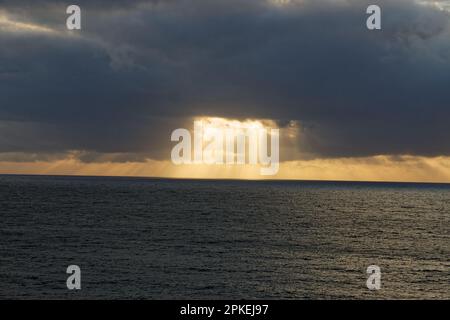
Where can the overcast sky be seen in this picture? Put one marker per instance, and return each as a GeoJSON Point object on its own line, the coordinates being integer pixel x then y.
{"type": "Point", "coordinates": [139, 70]}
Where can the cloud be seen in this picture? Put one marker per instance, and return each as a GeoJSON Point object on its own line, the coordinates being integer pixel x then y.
{"type": "Point", "coordinates": [139, 70]}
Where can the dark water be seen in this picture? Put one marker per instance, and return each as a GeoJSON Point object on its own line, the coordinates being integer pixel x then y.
{"type": "Point", "coordinates": [153, 239]}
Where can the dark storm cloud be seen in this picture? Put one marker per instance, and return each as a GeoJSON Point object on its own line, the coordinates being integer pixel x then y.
{"type": "Point", "coordinates": [140, 70]}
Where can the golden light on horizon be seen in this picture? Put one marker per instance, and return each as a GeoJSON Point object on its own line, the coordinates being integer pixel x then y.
{"type": "Point", "coordinates": [404, 168]}
{"type": "Point", "coordinates": [378, 168]}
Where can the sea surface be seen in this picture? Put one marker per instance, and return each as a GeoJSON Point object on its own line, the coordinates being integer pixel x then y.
{"type": "Point", "coordinates": [174, 239]}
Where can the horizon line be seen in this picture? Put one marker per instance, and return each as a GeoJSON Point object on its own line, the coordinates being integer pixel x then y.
{"type": "Point", "coordinates": [222, 179]}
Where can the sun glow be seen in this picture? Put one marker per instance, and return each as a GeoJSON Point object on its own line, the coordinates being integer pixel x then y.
{"type": "Point", "coordinates": [219, 141]}
{"type": "Point", "coordinates": [216, 122]}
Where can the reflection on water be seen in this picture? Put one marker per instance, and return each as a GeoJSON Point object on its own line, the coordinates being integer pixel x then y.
{"type": "Point", "coordinates": [153, 239]}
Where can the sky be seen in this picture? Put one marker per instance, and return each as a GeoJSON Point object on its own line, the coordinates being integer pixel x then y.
{"type": "Point", "coordinates": [350, 103]}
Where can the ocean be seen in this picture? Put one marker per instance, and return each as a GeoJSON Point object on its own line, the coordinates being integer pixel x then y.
{"type": "Point", "coordinates": [136, 238]}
